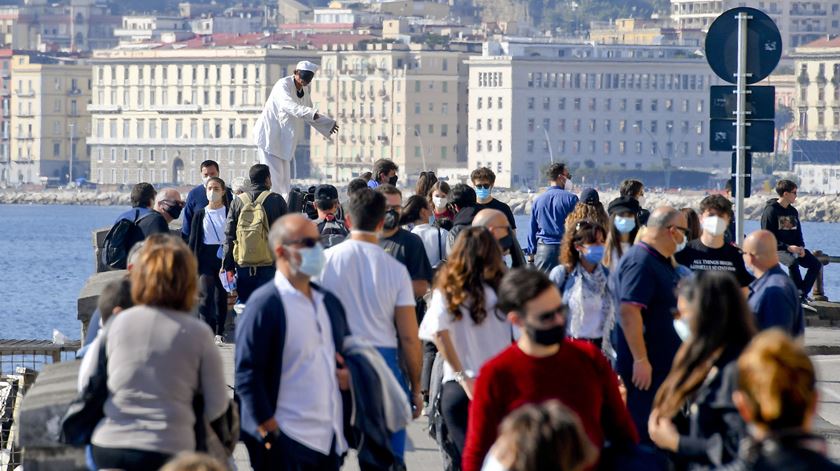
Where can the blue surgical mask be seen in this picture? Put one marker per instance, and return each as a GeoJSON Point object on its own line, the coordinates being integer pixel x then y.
{"type": "Point", "coordinates": [482, 193]}
{"type": "Point", "coordinates": [312, 260]}
{"type": "Point", "coordinates": [683, 331]}
{"type": "Point", "coordinates": [594, 254]}
{"type": "Point", "coordinates": [624, 225]}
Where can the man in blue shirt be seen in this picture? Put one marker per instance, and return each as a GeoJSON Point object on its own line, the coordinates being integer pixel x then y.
{"type": "Point", "coordinates": [197, 197]}
{"type": "Point", "coordinates": [645, 339]}
{"type": "Point", "coordinates": [773, 296]}
{"type": "Point", "coordinates": [548, 217]}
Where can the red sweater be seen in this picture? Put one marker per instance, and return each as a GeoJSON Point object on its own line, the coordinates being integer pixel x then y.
{"type": "Point", "coordinates": [578, 375]}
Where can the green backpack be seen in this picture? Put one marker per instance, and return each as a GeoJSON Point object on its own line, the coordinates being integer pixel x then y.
{"type": "Point", "coordinates": [250, 249]}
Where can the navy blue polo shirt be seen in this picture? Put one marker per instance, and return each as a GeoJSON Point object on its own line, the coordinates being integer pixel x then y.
{"type": "Point", "coordinates": [774, 300]}
{"type": "Point", "coordinates": [646, 278]}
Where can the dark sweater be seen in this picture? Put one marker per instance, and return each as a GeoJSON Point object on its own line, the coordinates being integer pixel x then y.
{"type": "Point", "coordinates": [793, 451]}
{"type": "Point", "coordinates": [578, 375]}
{"type": "Point", "coordinates": [783, 223]}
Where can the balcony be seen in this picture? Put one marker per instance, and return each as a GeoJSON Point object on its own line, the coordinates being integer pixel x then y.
{"type": "Point", "coordinates": [176, 109]}
{"type": "Point", "coordinates": [74, 92]}
{"type": "Point", "coordinates": [26, 137]}
{"type": "Point", "coordinates": [802, 79]}
{"type": "Point", "coordinates": [4, 92]}
{"type": "Point", "coordinates": [25, 114]}
{"type": "Point", "coordinates": [25, 94]}
{"type": "Point", "coordinates": [105, 109]}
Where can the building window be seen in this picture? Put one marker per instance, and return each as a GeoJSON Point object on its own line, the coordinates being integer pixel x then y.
{"type": "Point", "coordinates": [478, 145]}
{"type": "Point", "coordinates": [125, 154]}
{"type": "Point", "coordinates": [530, 146]}
{"type": "Point", "coordinates": [530, 103]}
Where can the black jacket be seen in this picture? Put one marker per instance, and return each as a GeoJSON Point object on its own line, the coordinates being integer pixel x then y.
{"type": "Point", "coordinates": [153, 223]}
{"type": "Point", "coordinates": [792, 451]}
{"type": "Point", "coordinates": [712, 431]}
{"type": "Point", "coordinates": [783, 223]}
{"type": "Point", "coordinates": [275, 206]}
{"type": "Point", "coordinates": [463, 219]}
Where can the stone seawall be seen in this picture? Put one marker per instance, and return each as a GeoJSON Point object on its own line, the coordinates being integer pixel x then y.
{"type": "Point", "coordinates": [811, 208]}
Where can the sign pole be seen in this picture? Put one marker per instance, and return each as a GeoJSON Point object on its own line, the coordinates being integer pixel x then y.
{"type": "Point", "coordinates": [741, 126]}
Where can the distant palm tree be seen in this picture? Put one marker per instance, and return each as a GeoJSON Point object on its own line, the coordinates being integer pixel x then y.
{"type": "Point", "coordinates": [784, 117]}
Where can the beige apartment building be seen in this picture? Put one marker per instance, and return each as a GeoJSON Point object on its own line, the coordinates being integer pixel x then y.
{"type": "Point", "coordinates": [817, 100]}
{"type": "Point", "coordinates": [49, 118]}
{"type": "Point", "coordinates": [394, 101]}
{"type": "Point", "coordinates": [799, 21]}
{"type": "Point", "coordinates": [157, 113]}
{"type": "Point", "coordinates": [605, 106]}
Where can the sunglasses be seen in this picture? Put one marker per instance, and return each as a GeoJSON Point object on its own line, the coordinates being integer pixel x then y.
{"type": "Point", "coordinates": [307, 242]}
{"type": "Point", "coordinates": [548, 316]}
{"type": "Point", "coordinates": [483, 187]}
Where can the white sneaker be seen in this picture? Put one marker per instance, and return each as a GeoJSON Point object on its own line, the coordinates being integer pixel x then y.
{"type": "Point", "coordinates": [808, 307]}
{"type": "Point", "coordinates": [219, 340]}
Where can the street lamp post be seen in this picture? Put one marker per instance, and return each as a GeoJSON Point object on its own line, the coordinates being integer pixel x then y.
{"type": "Point", "coordinates": [548, 141]}
{"type": "Point", "coordinates": [422, 148]}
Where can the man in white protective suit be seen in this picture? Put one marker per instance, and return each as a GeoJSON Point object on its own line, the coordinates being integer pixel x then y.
{"type": "Point", "coordinates": [277, 130]}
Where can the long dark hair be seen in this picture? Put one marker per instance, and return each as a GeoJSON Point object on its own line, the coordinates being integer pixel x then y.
{"type": "Point", "coordinates": [584, 232]}
{"type": "Point", "coordinates": [722, 320]}
{"type": "Point", "coordinates": [424, 183]}
{"type": "Point", "coordinates": [411, 209]}
{"type": "Point", "coordinates": [614, 237]}
{"type": "Point", "coordinates": [475, 260]}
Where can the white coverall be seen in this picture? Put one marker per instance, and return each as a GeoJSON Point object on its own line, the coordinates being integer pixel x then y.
{"type": "Point", "coordinates": [278, 129]}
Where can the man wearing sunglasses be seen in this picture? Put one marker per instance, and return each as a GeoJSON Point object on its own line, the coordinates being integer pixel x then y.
{"type": "Point", "coordinates": [278, 128]}
{"type": "Point", "coordinates": [646, 341]}
{"type": "Point", "coordinates": [542, 365]}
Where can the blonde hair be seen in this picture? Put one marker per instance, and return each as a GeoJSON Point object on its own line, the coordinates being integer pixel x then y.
{"type": "Point", "coordinates": [191, 461]}
{"type": "Point", "coordinates": [165, 275]}
{"type": "Point", "coordinates": [778, 379]}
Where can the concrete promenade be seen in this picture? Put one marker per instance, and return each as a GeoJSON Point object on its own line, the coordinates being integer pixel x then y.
{"type": "Point", "coordinates": [823, 343]}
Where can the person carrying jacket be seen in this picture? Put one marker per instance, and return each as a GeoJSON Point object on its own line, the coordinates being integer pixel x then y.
{"type": "Point", "coordinates": [251, 277]}
{"type": "Point", "coordinates": [289, 386]}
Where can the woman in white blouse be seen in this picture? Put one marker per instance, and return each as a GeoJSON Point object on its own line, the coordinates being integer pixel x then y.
{"type": "Point", "coordinates": [464, 323]}
{"type": "Point", "coordinates": [206, 239]}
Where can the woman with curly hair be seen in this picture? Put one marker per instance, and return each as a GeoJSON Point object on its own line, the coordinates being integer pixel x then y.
{"type": "Point", "coordinates": [464, 323]}
{"type": "Point", "coordinates": [583, 282]}
{"type": "Point", "coordinates": [588, 208]}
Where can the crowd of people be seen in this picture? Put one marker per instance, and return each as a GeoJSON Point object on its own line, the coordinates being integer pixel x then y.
{"type": "Point", "coordinates": [619, 337]}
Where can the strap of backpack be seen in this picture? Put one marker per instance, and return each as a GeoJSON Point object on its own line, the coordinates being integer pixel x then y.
{"type": "Point", "coordinates": [245, 197]}
{"type": "Point", "coordinates": [440, 245]}
{"type": "Point", "coordinates": [263, 196]}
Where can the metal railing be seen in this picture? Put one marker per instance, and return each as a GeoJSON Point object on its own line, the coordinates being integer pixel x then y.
{"type": "Point", "coordinates": [818, 293]}
{"type": "Point", "coordinates": [33, 354]}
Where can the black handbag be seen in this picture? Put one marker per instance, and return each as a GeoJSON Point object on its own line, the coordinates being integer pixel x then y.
{"type": "Point", "coordinates": [87, 409]}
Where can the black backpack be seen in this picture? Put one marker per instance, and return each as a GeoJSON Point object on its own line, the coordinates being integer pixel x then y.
{"type": "Point", "coordinates": [332, 232]}
{"type": "Point", "coordinates": [120, 239]}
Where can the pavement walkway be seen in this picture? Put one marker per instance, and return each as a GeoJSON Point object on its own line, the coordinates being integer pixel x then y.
{"type": "Point", "coordinates": [822, 343]}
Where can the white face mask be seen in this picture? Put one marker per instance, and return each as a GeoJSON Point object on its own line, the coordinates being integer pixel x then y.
{"type": "Point", "coordinates": [214, 196]}
{"type": "Point", "coordinates": [714, 225]}
{"type": "Point", "coordinates": [205, 179]}
{"type": "Point", "coordinates": [683, 331]}
{"type": "Point", "coordinates": [440, 203]}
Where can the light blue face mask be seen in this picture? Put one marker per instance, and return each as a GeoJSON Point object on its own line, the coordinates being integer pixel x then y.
{"type": "Point", "coordinates": [624, 225]}
{"type": "Point", "coordinates": [482, 193]}
{"type": "Point", "coordinates": [683, 331]}
{"type": "Point", "coordinates": [312, 260]}
{"type": "Point", "coordinates": [594, 254]}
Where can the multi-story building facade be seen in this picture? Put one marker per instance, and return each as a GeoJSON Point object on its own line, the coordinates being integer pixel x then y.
{"type": "Point", "coordinates": [67, 25]}
{"type": "Point", "coordinates": [157, 113]}
{"type": "Point", "coordinates": [5, 113]}
{"type": "Point", "coordinates": [393, 101]}
{"type": "Point", "coordinates": [50, 120]}
{"type": "Point", "coordinates": [621, 107]}
{"type": "Point", "coordinates": [799, 21]}
{"type": "Point", "coordinates": [817, 110]}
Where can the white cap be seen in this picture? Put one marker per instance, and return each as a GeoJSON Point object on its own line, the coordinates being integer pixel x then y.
{"type": "Point", "coordinates": [306, 65]}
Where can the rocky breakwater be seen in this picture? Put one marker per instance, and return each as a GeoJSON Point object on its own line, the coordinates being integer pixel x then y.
{"type": "Point", "coordinates": [68, 197]}
{"type": "Point", "coordinates": [811, 208]}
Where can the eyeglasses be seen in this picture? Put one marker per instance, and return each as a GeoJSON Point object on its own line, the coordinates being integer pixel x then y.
{"type": "Point", "coordinates": [547, 316]}
{"type": "Point", "coordinates": [485, 186]}
{"type": "Point", "coordinates": [684, 230]}
{"type": "Point", "coordinates": [307, 242]}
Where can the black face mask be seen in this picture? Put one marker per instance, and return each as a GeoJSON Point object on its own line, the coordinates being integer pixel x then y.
{"type": "Point", "coordinates": [546, 337]}
{"type": "Point", "coordinates": [393, 180]}
{"type": "Point", "coordinates": [392, 219]}
{"type": "Point", "coordinates": [173, 210]}
{"type": "Point", "coordinates": [506, 242]}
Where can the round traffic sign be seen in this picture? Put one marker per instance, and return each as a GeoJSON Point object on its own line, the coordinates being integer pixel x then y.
{"type": "Point", "coordinates": [764, 45]}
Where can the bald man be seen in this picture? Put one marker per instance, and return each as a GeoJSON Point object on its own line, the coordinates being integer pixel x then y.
{"type": "Point", "coordinates": [499, 225]}
{"type": "Point", "coordinates": [773, 296]}
{"type": "Point", "coordinates": [645, 280]}
{"type": "Point", "coordinates": [169, 204]}
{"type": "Point", "coordinates": [276, 434]}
